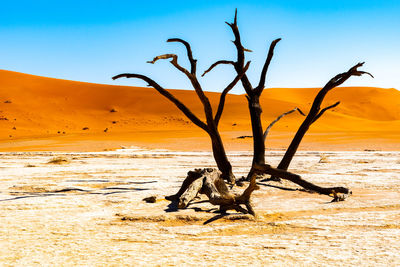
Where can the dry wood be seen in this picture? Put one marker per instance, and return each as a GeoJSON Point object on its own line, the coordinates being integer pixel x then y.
{"type": "Point", "coordinates": [316, 113]}
{"type": "Point", "coordinates": [216, 64]}
{"type": "Point", "coordinates": [193, 118]}
{"type": "Point", "coordinates": [211, 124]}
{"type": "Point", "coordinates": [261, 84]}
{"type": "Point", "coordinates": [253, 94]}
{"type": "Point", "coordinates": [193, 62]}
{"type": "Point", "coordinates": [295, 178]}
{"type": "Point", "coordinates": [190, 193]}
{"type": "Point", "coordinates": [191, 177]}
{"type": "Point", "coordinates": [211, 183]}
{"type": "Point", "coordinates": [278, 118]}
{"type": "Point", "coordinates": [325, 109]}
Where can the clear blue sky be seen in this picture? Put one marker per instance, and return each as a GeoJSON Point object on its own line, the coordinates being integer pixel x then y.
{"type": "Point", "coordinates": [94, 40]}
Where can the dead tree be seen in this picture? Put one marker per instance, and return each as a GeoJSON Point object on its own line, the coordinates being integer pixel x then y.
{"type": "Point", "coordinates": [212, 121]}
{"type": "Point", "coordinates": [210, 181]}
{"type": "Point", "coordinates": [253, 94]}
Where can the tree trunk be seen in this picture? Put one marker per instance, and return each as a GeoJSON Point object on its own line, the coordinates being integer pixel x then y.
{"type": "Point", "coordinates": [258, 133]}
{"type": "Point", "coordinates": [220, 156]}
{"type": "Point", "coordinates": [294, 145]}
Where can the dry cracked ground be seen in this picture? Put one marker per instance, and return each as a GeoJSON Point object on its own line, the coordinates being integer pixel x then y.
{"type": "Point", "coordinates": [72, 209]}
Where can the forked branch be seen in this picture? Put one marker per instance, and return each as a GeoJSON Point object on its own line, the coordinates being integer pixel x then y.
{"type": "Point", "coordinates": [239, 64]}
{"type": "Point", "coordinates": [261, 84]}
{"type": "Point", "coordinates": [316, 112]}
{"type": "Point", "coordinates": [195, 83]}
{"type": "Point", "coordinates": [342, 77]}
{"type": "Point", "coordinates": [226, 91]}
{"type": "Point", "coordinates": [325, 109]}
{"type": "Point", "coordinates": [192, 61]}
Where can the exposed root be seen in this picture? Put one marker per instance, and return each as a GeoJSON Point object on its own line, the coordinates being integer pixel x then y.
{"type": "Point", "coordinates": [210, 182]}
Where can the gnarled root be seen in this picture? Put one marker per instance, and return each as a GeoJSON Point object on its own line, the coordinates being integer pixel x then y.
{"type": "Point", "coordinates": [210, 182]}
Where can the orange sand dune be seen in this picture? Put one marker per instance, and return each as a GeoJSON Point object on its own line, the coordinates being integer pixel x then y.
{"type": "Point", "coordinates": [38, 113]}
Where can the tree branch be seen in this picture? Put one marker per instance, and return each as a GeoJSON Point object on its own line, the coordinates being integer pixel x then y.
{"type": "Point", "coordinates": [315, 112]}
{"type": "Point", "coordinates": [189, 53]}
{"type": "Point", "coordinates": [278, 118]}
{"type": "Point", "coordinates": [216, 64]}
{"type": "Point", "coordinates": [342, 77]}
{"type": "Point", "coordinates": [226, 91]}
{"type": "Point", "coordinates": [239, 64]}
{"type": "Point", "coordinates": [300, 181]}
{"type": "Point", "coordinates": [261, 84]}
{"type": "Point", "coordinates": [334, 82]}
{"type": "Point", "coordinates": [195, 83]}
{"type": "Point", "coordinates": [174, 61]}
{"type": "Point", "coordinates": [325, 109]}
{"type": "Point", "coordinates": [169, 96]}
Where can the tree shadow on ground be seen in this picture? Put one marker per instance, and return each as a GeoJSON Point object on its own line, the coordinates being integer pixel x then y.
{"type": "Point", "coordinates": [61, 192]}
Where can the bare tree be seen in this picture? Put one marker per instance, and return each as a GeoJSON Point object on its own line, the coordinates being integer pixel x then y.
{"type": "Point", "coordinates": [253, 95]}
{"type": "Point", "coordinates": [210, 181]}
{"type": "Point", "coordinates": [212, 121]}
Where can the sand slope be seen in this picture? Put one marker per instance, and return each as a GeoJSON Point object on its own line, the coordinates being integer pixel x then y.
{"type": "Point", "coordinates": [38, 113]}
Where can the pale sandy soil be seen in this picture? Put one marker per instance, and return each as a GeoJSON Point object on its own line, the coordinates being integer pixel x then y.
{"type": "Point", "coordinates": [89, 212]}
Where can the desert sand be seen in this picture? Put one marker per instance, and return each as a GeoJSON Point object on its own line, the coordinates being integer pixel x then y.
{"type": "Point", "coordinates": [45, 114]}
{"type": "Point", "coordinates": [88, 211]}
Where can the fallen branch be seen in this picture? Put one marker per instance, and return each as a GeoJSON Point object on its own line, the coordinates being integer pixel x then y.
{"type": "Point", "coordinates": [210, 182]}
{"type": "Point", "coordinates": [295, 178]}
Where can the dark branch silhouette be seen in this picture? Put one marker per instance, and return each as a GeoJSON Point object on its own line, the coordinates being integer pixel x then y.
{"type": "Point", "coordinates": [210, 181]}
{"type": "Point", "coordinates": [225, 92]}
{"type": "Point", "coordinates": [295, 178]}
{"type": "Point", "coordinates": [315, 112]}
{"type": "Point", "coordinates": [211, 124]}
{"type": "Point", "coordinates": [189, 53]}
{"type": "Point", "coordinates": [261, 84]}
{"type": "Point", "coordinates": [253, 94]}
{"type": "Point", "coordinates": [278, 118]}
{"type": "Point", "coordinates": [216, 64]}
{"type": "Point", "coordinates": [168, 95]}
{"type": "Point", "coordinates": [325, 109]}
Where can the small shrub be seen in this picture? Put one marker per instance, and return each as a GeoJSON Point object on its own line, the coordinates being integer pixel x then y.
{"type": "Point", "coordinates": [59, 160]}
{"type": "Point", "coordinates": [323, 159]}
